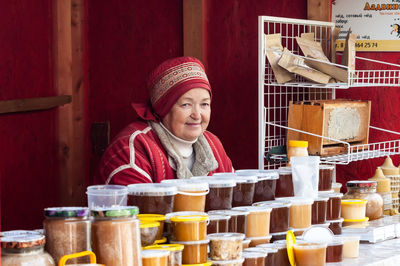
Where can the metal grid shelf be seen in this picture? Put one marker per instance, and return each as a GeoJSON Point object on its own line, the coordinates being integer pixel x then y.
{"type": "Point", "coordinates": [273, 100]}
{"type": "Point", "coordinates": [353, 152]}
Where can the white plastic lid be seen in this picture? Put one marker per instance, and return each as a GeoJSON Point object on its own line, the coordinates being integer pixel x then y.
{"type": "Point", "coordinates": [199, 242]}
{"type": "Point", "coordinates": [152, 189]}
{"type": "Point", "coordinates": [225, 174]}
{"type": "Point", "coordinates": [348, 237]}
{"type": "Point", "coordinates": [274, 245]}
{"type": "Point", "coordinates": [321, 198]}
{"type": "Point", "coordinates": [336, 241]}
{"type": "Point", "coordinates": [168, 216]}
{"type": "Point", "coordinates": [107, 190]}
{"type": "Point", "coordinates": [219, 217]}
{"type": "Point", "coordinates": [278, 233]}
{"type": "Point", "coordinates": [215, 182]}
{"type": "Point", "coordinates": [318, 234]}
{"type": "Point", "coordinates": [261, 174]}
{"type": "Point", "coordinates": [155, 253]}
{"type": "Point", "coordinates": [337, 221]}
{"type": "Point", "coordinates": [285, 170]}
{"type": "Point", "coordinates": [228, 262]}
{"type": "Point", "coordinates": [254, 253]}
{"type": "Point", "coordinates": [230, 212]}
{"type": "Point", "coordinates": [274, 204]}
{"type": "Point", "coordinates": [240, 179]}
{"type": "Point", "coordinates": [332, 195]}
{"type": "Point", "coordinates": [226, 236]}
{"type": "Point", "coordinates": [297, 200]}
{"type": "Point", "coordinates": [188, 185]}
{"type": "Point", "coordinates": [253, 208]}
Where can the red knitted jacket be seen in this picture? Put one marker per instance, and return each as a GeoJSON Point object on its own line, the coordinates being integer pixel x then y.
{"type": "Point", "coordinates": [136, 155]}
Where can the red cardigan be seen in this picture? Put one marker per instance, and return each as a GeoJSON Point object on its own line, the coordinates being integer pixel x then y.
{"type": "Point", "coordinates": [136, 155]}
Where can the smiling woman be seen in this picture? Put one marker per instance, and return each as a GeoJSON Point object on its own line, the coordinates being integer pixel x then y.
{"type": "Point", "coordinates": [170, 138]}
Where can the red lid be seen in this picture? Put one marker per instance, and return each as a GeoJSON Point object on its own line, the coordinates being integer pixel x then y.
{"type": "Point", "coordinates": [366, 184]}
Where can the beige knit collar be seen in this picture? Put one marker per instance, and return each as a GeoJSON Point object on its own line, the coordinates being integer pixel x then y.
{"type": "Point", "coordinates": [204, 163]}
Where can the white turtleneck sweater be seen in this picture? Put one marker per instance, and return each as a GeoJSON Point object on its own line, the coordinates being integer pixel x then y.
{"type": "Point", "coordinates": [183, 147]}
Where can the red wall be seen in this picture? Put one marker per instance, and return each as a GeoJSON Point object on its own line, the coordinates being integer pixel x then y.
{"type": "Point", "coordinates": [28, 164]}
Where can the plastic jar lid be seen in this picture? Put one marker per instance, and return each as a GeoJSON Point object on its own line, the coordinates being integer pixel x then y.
{"type": "Point", "coordinates": [161, 241]}
{"type": "Point", "coordinates": [354, 202]}
{"type": "Point", "coordinates": [274, 204]}
{"type": "Point", "coordinates": [270, 249]}
{"type": "Point", "coordinates": [149, 224]}
{"type": "Point", "coordinates": [190, 218]}
{"type": "Point", "coordinates": [151, 217]}
{"type": "Point", "coordinates": [362, 184]}
{"type": "Point", "coordinates": [219, 217]}
{"type": "Point", "coordinates": [231, 212]}
{"type": "Point", "coordinates": [188, 185]}
{"type": "Point", "coordinates": [278, 233]}
{"type": "Point", "coordinates": [246, 179]}
{"type": "Point", "coordinates": [298, 143]}
{"type": "Point", "coordinates": [297, 200]}
{"type": "Point", "coordinates": [261, 174]}
{"type": "Point", "coordinates": [259, 253]}
{"type": "Point", "coordinates": [321, 198]}
{"type": "Point", "coordinates": [115, 212]}
{"type": "Point", "coordinates": [199, 242]}
{"type": "Point", "coordinates": [21, 239]}
{"type": "Point", "coordinates": [228, 262]}
{"type": "Point", "coordinates": [285, 170]}
{"type": "Point", "coordinates": [337, 221]}
{"type": "Point", "coordinates": [246, 241]}
{"type": "Point", "coordinates": [318, 234]}
{"type": "Point", "coordinates": [326, 166]}
{"type": "Point", "coordinates": [225, 174]}
{"type": "Point", "coordinates": [279, 244]}
{"type": "Point", "coordinates": [252, 209]}
{"type": "Point", "coordinates": [356, 220]}
{"type": "Point", "coordinates": [152, 189]}
{"type": "Point", "coordinates": [107, 190]}
{"type": "Point", "coordinates": [155, 253]}
{"type": "Point", "coordinates": [331, 195]}
{"type": "Point", "coordinates": [226, 236]}
{"type": "Point", "coordinates": [66, 212]}
{"type": "Point", "coordinates": [170, 247]}
{"type": "Point", "coordinates": [168, 216]}
{"type": "Point", "coordinates": [214, 182]}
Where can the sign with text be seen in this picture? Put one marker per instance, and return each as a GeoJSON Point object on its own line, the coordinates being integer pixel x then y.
{"type": "Point", "coordinates": [376, 23]}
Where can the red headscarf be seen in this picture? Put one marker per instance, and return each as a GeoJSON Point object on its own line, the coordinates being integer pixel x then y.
{"type": "Point", "coordinates": [168, 82]}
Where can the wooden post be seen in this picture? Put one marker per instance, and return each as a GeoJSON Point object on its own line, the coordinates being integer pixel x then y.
{"type": "Point", "coordinates": [194, 29]}
{"type": "Point", "coordinates": [319, 10]}
{"type": "Point", "coordinates": [68, 77]}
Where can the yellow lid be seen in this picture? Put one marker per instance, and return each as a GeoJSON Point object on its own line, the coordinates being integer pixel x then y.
{"type": "Point", "coordinates": [208, 263]}
{"type": "Point", "coordinates": [161, 241]}
{"type": "Point", "coordinates": [356, 220]}
{"type": "Point", "coordinates": [145, 224]}
{"type": "Point", "coordinates": [170, 247]}
{"type": "Point", "coordinates": [151, 217]}
{"type": "Point", "coordinates": [354, 201]}
{"type": "Point", "coordinates": [189, 218]}
{"type": "Point", "coordinates": [290, 241]}
{"type": "Point", "coordinates": [298, 143]}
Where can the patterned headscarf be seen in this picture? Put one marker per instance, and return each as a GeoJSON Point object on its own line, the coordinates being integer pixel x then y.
{"type": "Point", "coordinates": [168, 82]}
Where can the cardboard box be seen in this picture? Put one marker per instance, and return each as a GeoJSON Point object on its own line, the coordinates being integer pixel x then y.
{"type": "Point", "coordinates": [345, 120]}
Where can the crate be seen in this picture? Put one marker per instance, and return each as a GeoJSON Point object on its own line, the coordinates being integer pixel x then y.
{"type": "Point", "coordinates": [327, 118]}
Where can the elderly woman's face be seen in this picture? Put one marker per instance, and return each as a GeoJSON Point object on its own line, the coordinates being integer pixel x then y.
{"type": "Point", "coordinates": [190, 115]}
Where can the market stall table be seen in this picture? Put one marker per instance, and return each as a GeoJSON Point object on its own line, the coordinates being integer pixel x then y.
{"type": "Point", "coordinates": [383, 253]}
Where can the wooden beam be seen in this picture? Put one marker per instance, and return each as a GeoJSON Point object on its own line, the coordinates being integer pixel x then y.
{"type": "Point", "coordinates": [194, 29]}
{"type": "Point", "coordinates": [33, 104]}
{"type": "Point", "coordinates": [319, 10]}
{"type": "Point", "coordinates": [68, 80]}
